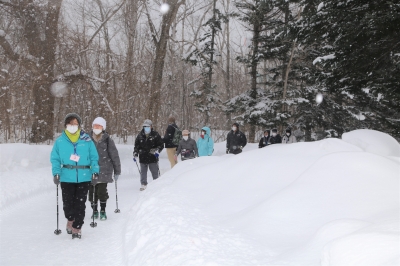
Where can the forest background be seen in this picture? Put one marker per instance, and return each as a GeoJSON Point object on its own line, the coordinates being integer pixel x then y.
{"type": "Point", "coordinates": [320, 68]}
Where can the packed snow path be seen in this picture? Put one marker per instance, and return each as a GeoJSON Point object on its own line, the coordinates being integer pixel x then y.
{"type": "Point", "coordinates": [27, 238]}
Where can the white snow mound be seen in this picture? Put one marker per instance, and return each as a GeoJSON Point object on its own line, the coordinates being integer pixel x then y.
{"type": "Point", "coordinates": [373, 141]}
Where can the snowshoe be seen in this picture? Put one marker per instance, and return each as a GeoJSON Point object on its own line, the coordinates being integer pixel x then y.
{"type": "Point", "coordinates": [143, 187]}
{"type": "Point", "coordinates": [76, 236]}
{"type": "Point", "coordinates": [96, 215]}
{"type": "Point", "coordinates": [103, 216]}
{"type": "Point", "coordinates": [76, 233]}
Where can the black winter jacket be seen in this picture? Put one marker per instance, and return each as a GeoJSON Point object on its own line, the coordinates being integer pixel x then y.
{"type": "Point", "coordinates": [276, 139]}
{"type": "Point", "coordinates": [109, 161]}
{"type": "Point", "coordinates": [143, 146]}
{"type": "Point", "coordinates": [235, 140]}
{"type": "Point", "coordinates": [264, 141]}
{"type": "Point", "coordinates": [169, 136]}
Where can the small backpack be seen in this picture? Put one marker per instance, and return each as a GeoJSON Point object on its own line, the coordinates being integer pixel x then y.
{"type": "Point", "coordinates": [177, 136]}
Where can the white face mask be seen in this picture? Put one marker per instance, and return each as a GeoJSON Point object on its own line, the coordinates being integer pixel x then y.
{"type": "Point", "coordinates": [72, 128]}
{"type": "Point", "coordinates": [273, 134]}
{"type": "Point", "coordinates": [234, 128]}
{"type": "Point", "coordinates": [287, 134]}
{"type": "Point", "coordinates": [97, 131]}
{"type": "Point", "coordinates": [185, 137]}
{"type": "Point", "coordinates": [202, 133]}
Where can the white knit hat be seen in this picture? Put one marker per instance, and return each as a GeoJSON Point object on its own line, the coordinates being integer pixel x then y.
{"type": "Point", "coordinates": [100, 121]}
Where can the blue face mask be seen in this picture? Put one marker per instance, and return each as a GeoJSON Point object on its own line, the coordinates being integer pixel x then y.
{"type": "Point", "coordinates": [147, 130]}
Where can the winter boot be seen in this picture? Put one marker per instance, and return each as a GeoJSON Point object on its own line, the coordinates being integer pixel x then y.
{"type": "Point", "coordinates": [103, 216]}
{"type": "Point", "coordinates": [96, 215]}
{"type": "Point", "coordinates": [143, 187]}
{"type": "Point", "coordinates": [69, 227]}
{"type": "Point", "coordinates": [76, 233]}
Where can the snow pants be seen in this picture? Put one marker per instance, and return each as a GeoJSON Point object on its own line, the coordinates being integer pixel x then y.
{"type": "Point", "coordinates": [101, 194]}
{"type": "Point", "coordinates": [143, 169]}
{"type": "Point", "coordinates": [74, 198]}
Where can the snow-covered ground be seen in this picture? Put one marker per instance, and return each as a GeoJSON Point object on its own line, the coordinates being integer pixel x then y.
{"type": "Point", "coordinates": [330, 202]}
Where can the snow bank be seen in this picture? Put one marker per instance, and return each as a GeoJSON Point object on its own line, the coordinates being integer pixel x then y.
{"type": "Point", "coordinates": [298, 204]}
{"type": "Point", "coordinates": [373, 141]}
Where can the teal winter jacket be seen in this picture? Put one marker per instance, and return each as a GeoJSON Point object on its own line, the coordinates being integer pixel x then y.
{"type": "Point", "coordinates": [206, 145]}
{"type": "Point", "coordinates": [63, 149]}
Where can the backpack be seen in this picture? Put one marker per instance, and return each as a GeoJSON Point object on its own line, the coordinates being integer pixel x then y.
{"type": "Point", "coordinates": [177, 136]}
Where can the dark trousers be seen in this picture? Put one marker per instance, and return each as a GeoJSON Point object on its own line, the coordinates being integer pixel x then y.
{"type": "Point", "coordinates": [143, 169]}
{"type": "Point", "coordinates": [100, 193]}
{"type": "Point", "coordinates": [74, 199]}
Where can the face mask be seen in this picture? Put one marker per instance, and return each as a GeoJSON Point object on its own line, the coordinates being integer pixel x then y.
{"type": "Point", "coordinates": [287, 134]}
{"type": "Point", "coordinates": [72, 128]}
{"type": "Point", "coordinates": [266, 135]}
{"type": "Point", "coordinates": [202, 133]}
{"type": "Point", "coordinates": [185, 137]}
{"type": "Point", "coordinates": [273, 134]}
{"type": "Point", "coordinates": [147, 130]}
{"type": "Point", "coordinates": [234, 128]}
{"type": "Point", "coordinates": [97, 131]}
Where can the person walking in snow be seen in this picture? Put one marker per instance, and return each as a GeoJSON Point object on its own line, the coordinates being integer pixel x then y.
{"type": "Point", "coordinates": [168, 141]}
{"type": "Point", "coordinates": [264, 141]}
{"type": "Point", "coordinates": [74, 161]}
{"type": "Point", "coordinates": [148, 145]}
{"type": "Point", "coordinates": [289, 138]}
{"type": "Point", "coordinates": [236, 140]}
{"type": "Point", "coordinates": [187, 147]}
{"type": "Point", "coordinates": [275, 138]}
{"type": "Point", "coordinates": [205, 144]}
{"type": "Point", "coordinates": [109, 163]}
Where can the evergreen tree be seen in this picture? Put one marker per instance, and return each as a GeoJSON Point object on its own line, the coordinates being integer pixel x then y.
{"type": "Point", "coordinates": [357, 57]}
{"type": "Point", "coordinates": [205, 58]}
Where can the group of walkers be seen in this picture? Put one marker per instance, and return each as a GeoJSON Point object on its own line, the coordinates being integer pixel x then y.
{"type": "Point", "coordinates": [85, 163]}
{"type": "Point", "coordinates": [275, 138]}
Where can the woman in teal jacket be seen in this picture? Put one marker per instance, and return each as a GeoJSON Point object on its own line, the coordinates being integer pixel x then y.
{"type": "Point", "coordinates": [205, 143]}
{"type": "Point", "coordinates": [74, 160]}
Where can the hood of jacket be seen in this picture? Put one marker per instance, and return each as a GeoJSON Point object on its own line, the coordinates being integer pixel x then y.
{"type": "Point", "coordinates": [208, 131]}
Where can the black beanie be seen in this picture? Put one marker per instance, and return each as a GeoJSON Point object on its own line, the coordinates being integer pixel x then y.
{"type": "Point", "coordinates": [274, 130]}
{"type": "Point", "coordinates": [288, 130]}
{"type": "Point", "coordinates": [74, 116]}
{"type": "Point", "coordinates": [236, 124]}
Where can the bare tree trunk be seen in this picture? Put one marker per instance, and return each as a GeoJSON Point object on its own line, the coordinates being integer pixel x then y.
{"type": "Point", "coordinates": [158, 63]}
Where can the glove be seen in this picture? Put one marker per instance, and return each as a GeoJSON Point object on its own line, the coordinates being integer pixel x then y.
{"type": "Point", "coordinates": [56, 179]}
{"type": "Point", "coordinates": [116, 177]}
{"type": "Point", "coordinates": [241, 148]}
{"type": "Point", "coordinates": [135, 155]}
{"type": "Point", "coordinates": [153, 151]}
{"type": "Point", "coordinates": [227, 151]}
{"type": "Point", "coordinates": [95, 178]}
{"type": "Point", "coordinates": [157, 154]}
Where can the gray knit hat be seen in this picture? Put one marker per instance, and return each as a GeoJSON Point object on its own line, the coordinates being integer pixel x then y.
{"type": "Point", "coordinates": [147, 123]}
{"type": "Point", "coordinates": [74, 116]}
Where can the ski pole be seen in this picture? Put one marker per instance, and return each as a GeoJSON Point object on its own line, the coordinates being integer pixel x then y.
{"type": "Point", "coordinates": [116, 198]}
{"type": "Point", "coordinates": [93, 224]}
{"type": "Point", "coordinates": [158, 165]}
{"type": "Point", "coordinates": [57, 231]}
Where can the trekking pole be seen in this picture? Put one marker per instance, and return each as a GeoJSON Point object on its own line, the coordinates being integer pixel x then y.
{"type": "Point", "coordinates": [93, 224]}
{"type": "Point", "coordinates": [116, 198]}
{"type": "Point", "coordinates": [137, 165]}
{"type": "Point", "coordinates": [57, 231]}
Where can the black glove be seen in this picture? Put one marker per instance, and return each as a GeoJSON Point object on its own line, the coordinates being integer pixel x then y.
{"type": "Point", "coordinates": [95, 179]}
{"type": "Point", "coordinates": [56, 179]}
{"type": "Point", "coordinates": [135, 154]}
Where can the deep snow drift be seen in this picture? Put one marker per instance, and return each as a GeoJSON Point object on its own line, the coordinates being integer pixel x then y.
{"type": "Point", "coordinates": [330, 202]}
